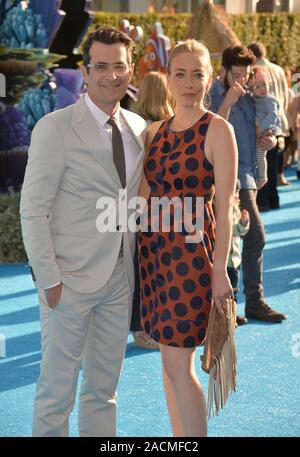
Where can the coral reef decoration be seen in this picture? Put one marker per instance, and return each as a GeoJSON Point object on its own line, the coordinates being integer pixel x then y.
{"type": "Point", "coordinates": [88, 16]}
{"type": "Point", "coordinates": [14, 132]}
{"type": "Point", "coordinates": [210, 25]}
{"type": "Point", "coordinates": [22, 28]}
{"type": "Point", "coordinates": [5, 6]}
{"type": "Point", "coordinates": [135, 32]}
{"type": "Point", "coordinates": [156, 53]}
{"type": "Point", "coordinates": [35, 104]}
{"type": "Point", "coordinates": [72, 31]}
{"type": "Point", "coordinates": [24, 69]}
{"type": "Point", "coordinates": [51, 15]}
{"type": "Point", "coordinates": [69, 84]}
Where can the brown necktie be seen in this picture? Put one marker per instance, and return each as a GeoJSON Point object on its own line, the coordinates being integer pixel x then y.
{"type": "Point", "coordinates": [118, 151]}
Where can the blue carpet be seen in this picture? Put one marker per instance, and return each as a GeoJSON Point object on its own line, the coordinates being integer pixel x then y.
{"type": "Point", "coordinates": [267, 402]}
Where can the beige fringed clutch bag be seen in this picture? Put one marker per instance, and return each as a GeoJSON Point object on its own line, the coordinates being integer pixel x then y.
{"type": "Point", "coordinates": [219, 357]}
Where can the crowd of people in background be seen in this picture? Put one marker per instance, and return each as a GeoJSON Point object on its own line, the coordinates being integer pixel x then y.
{"type": "Point", "coordinates": [262, 104]}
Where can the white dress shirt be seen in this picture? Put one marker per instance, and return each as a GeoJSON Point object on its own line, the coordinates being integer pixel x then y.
{"type": "Point", "coordinates": [131, 147]}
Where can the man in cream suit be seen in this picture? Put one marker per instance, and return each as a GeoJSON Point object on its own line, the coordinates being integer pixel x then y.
{"type": "Point", "coordinates": [84, 276]}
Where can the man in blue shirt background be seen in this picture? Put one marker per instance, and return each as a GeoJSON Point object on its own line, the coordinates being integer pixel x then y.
{"type": "Point", "coordinates": [230, 100]}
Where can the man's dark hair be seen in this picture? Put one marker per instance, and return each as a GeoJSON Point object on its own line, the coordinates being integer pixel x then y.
{"type": "Point", "coordinates": [237, 55]}
{"type": "Point", "coordinates": [258, 49]}
{"type": "Point", "coordinates": [105, 36]}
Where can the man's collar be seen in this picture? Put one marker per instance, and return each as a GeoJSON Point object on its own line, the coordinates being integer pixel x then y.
{"type": "Point", "coordinates": [98, 113]}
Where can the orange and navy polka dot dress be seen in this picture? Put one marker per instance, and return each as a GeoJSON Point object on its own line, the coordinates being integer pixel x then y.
{"type": "Point", "coordinates": [175, 275]}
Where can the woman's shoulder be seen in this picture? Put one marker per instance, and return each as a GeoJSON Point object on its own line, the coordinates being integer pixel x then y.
{"type": "Point", "coordinates": [220, 135]}
{"type": "Point", "coordinates": [219, 123]}
{"type": "Point", "coordinates": [154, 126]}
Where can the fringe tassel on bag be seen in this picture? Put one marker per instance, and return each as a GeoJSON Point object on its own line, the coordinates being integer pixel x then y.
{"type": "Point", "coordinates": [219, 358]}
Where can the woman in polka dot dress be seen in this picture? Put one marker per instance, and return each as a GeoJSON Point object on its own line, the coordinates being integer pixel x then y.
{"type": "Point", "coordinates": [193, 154]}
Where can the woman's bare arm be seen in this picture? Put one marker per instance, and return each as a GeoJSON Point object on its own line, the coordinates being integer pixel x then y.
{"type": "Point", "coordinates": [224, 156]}
{"type": "Point", "coordinates": [144, 189]}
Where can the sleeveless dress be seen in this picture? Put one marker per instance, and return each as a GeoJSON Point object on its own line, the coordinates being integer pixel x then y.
{"type": "Point", "coordinates": [175, 275]}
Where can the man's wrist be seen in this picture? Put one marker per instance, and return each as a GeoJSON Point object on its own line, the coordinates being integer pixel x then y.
{"type": "Point", "coordinates": [226, 105]}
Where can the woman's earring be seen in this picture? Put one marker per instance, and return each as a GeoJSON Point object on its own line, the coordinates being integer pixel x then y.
{"type": "Point", "coordinates": [207, 100]}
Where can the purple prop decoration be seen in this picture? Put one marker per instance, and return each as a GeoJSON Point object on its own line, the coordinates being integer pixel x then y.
{"type": "Point", "coordinates": [69, 84]}
{"type": "Point", "coordinates": [51, 16]}
{"type": "Point", "coordinates": [13, 130]}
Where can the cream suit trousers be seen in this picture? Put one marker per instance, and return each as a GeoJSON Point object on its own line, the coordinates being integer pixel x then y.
{"type": "Point", "coordinates": [92, 329]}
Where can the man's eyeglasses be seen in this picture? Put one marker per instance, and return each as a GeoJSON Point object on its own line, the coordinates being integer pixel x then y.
{"type": "Point", "coordinates": [119, 69]}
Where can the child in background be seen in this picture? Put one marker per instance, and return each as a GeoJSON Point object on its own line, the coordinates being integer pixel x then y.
{"type": "Point", "coordinates": [240, 227]}
{"type": "Point", "coordinates": [266, 119]}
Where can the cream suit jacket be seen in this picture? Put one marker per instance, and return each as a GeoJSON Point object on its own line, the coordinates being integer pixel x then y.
{"type": "Point", "coordinates": [70, 166]}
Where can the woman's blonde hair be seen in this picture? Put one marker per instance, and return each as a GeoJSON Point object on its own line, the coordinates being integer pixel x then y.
{"type": "Point", "coordinates": [154, 98]}
{"type": "Point", "coordinates": [193, 46]}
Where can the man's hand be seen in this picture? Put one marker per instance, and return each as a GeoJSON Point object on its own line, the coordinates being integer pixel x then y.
{"type": "Point", "coordinates": [234, 93]}
{"type": "Point", "coordinates": [268, 141]}
{"type": "Point", "coordinates": [53, 295]}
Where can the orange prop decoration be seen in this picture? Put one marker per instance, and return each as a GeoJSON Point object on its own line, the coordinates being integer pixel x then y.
{"type": "Point", "coordinates": [156, 54]}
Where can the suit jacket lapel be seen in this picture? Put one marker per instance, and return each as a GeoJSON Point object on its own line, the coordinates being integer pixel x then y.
{"type": "Point", "coordinates": [133, 128]}
{"type": "Point", "coordinates": [138, 138]}
{"type": "Point", "coordinates": [86, 128]}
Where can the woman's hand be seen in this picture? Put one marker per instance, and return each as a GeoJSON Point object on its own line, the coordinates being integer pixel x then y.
{"type": "Point", "coordinates": [221, 289]}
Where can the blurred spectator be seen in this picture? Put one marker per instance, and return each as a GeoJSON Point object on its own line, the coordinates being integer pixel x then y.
{"type": "Point", "coordinates": [266, 117]}
{"type": "Point", "coordinates": [295, 126]}
{"type": "Point", "coordinates": [230, 100]}
{"type": "Point", "coordinates": [240, 227]}
{"type": "Point", "coordinates": [268, 197]}
{"type": "Point", "coordinates": [293, 119]}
